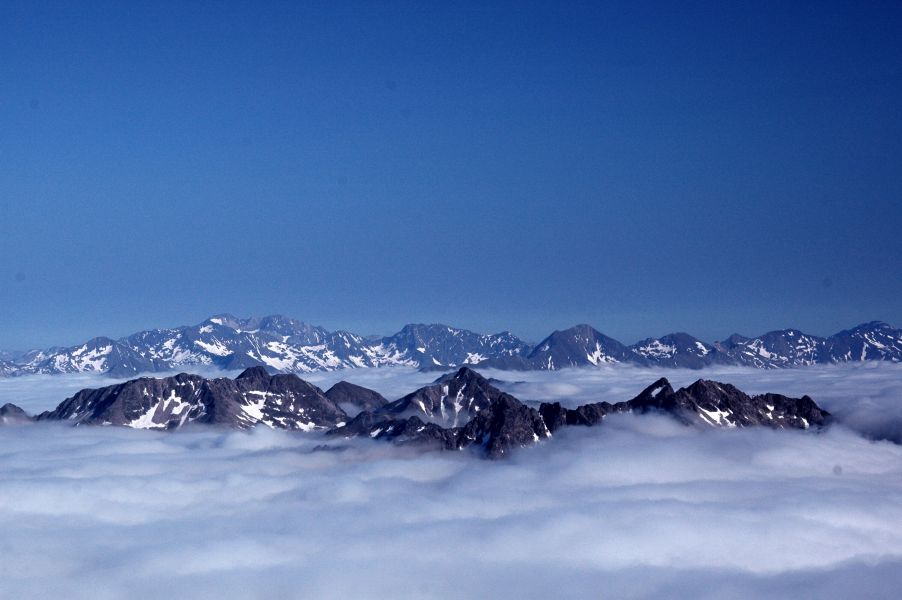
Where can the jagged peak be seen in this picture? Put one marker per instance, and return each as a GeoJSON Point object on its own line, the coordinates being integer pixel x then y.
{"type": "Point", "coordinates": [258, 372]}
{"type": "Point", "coordinates": [711, 386]}
{"type": "Point", "coordinates": [464, 374]}
{"type": "Point", "coordinates": [660, 386]}
{"type": "Point", "coordinates": [505, 401]}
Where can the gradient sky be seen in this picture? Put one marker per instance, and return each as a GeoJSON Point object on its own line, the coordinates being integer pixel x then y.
{"type": "Point", "coordinates": [643, 167]}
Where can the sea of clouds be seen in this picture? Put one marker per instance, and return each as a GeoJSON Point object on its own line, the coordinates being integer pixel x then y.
{"type": "Point", "coordinates": [638, 507]}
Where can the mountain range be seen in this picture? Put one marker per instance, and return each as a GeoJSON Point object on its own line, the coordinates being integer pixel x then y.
{"type": "Point", "coordinates": [460, 410]}
{"type": "Point", "coordinates": [285, 345]}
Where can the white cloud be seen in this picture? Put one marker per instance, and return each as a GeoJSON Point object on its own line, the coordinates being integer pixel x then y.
{"type": "Point", "coordinates": [638, 507]}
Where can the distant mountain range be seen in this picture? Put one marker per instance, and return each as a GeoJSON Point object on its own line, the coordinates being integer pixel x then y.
{"type": "Point", "coordinates": [285, 345]}
{"type": "Point", "coordinates": [460, 410]}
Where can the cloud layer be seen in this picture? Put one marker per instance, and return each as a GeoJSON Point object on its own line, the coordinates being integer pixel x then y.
{"type": "Point", "coordinates": [638, 507]}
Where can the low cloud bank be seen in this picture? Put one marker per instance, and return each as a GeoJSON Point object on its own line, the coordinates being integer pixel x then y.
{"type": "Point", "coordinates": [638, 507]}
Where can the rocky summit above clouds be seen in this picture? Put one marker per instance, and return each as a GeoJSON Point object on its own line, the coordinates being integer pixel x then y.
{"type": "Point", "coordinates": [254, 397]}
{"type": "Point", "coordinates": [10, 414]}
{"type": "Point", "coordinates": [459, 410]}
{"type": "Point", "coordinates": [288, 346]}
{"type": "Point", "coordinates": [354, 398]}
{"type": "Point", "coordinates": [500, 421]}
{"type": "Point", "coordinates": [706, 403]}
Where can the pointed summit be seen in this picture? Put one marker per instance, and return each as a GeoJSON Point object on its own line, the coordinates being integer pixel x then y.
{"type": "Point", "coordinates": [464, 375]}
{"type": "Point", "coordinates": [254, 373]}
{"type": "Point", "coordinates": [451, 401]}
{"type": "Point", "coordinates": [659, 389]}
{"type": "Point", "coordinates": [715, 404]}
{"type": "Point", "coordinates": [578, 346]}
{"type": "Point", "coordinates": [10, 414]}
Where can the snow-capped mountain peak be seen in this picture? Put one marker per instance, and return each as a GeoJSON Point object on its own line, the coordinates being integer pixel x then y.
{"type": "Point", "coordinates": [287, 345]}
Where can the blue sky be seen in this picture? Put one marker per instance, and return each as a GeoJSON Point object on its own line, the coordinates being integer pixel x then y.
{"type": "Point", "coordinates": [644, 167]}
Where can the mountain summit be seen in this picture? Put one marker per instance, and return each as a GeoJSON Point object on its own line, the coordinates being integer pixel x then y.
{"type": "Point", "coordinates": [460, 410]}
{"type": "Point", "coordinates": [285, 345]}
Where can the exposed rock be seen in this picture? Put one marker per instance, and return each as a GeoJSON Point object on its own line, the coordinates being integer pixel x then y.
{"type": "Point", "coordinates": [707, 403]}
{"type": "Point", "coordinates": [460, 410]}
{"type": "Point", "coordinates": [451, 401]}
{"type": "Point", "coordinates": [10, 414]}
{"type": "Point", "coordinates": [354, 398]}
{"type": "Point", "coordinates": [255, 396]}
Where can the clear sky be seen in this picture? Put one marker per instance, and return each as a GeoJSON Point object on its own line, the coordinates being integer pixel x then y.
{"type": "Point", "coordinates": [643, 167]}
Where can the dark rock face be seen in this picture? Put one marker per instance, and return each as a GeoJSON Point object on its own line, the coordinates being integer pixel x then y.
{"type": "Point", "coordinates": [460, 410]}
{"type": "Point", "coordinates": [451, 401]}
{"type": "Point", "coordinates": [410, 431]}
{"type": "Point", "coordinates": [556, 416]}
{"type": "Point", "coordinates": [504, 424]}
{"type": "Point", "coordinates": [658, 397]}
{"type": "Point", "coordinates": [354, 397]}
{"type": "Point", "coordinates": [722, 405]}
{"type": "Point", "coordinates": [10, 414]}
{"type": "Point", "coordinates": [255, 396]}
{"type": "Point", "coordinates": [705, 403]}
